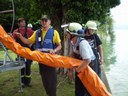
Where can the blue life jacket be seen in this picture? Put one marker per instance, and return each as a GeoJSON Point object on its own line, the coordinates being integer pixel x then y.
{"type": "Point", "coordinates": [47, 44]}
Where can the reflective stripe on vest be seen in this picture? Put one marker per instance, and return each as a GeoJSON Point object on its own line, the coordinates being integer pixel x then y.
{"type": "Point", "coordinates": [47, 44]}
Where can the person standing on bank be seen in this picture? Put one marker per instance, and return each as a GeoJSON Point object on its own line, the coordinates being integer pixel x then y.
{"type": "Point", "coordinates": [25, 32]}
{"type": "Point", "coordinates": [80, 50]}
{"type": "Point", "coordinates": [96, 45]}
{"type": "Point", "coordinates": [47, 40]}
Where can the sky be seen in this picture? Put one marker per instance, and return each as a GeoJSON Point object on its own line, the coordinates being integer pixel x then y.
{"type": "Point", "coordinates": [120, 15]}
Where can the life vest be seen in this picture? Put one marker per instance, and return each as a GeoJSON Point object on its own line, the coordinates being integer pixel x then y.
{"type": "Point", "coordinates": [47, 44]}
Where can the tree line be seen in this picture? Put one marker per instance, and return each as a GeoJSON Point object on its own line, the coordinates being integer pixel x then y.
{"type": "Point", "coordinates": [61, 11]}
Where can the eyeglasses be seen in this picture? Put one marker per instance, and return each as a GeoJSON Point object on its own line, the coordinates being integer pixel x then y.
{"type": "Point", "coordinates": [44, 20]}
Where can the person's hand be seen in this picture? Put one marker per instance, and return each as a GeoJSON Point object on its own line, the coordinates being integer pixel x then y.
{"type": "Point", "coordinates": [18, 34]}
{"type": "Point", "coordinates": [79, 70]}
{"type": "Point", "coordinates": [76, 69]}
{"type": "Point", "coordinates": [52, 51]}
{"type": "Point", "coordinates": [101, 61]}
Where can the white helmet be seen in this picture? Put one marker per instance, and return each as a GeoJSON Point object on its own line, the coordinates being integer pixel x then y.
{"type": "Point", "coordinates": [75, 29]}
{"type": "Point", "coordinates": [91, 25]}
{"type": "Point", "coordinates": [29, 25]}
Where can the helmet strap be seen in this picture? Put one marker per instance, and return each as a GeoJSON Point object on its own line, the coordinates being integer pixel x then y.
{"type": "Point", "coordinates": [89, 32]}
{"type": "Point", "coordinates": [72, 36]}
{"type": "Point", "coordinates": [86, 30]}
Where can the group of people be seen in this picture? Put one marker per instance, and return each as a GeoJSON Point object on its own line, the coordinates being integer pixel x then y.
{"type": "Point", "coordinates": [85, 45]}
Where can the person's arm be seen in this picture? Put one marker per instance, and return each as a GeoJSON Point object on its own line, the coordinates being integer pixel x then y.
{"type": "Point", "coordinates": [83, 65]}
{"type": "Point", "coordinates": [57, 41]}
{"type": "Point", "coordinates": [23, 39]}
{"type": "Point", "coordinates": [99, 47]}
{"type": "Point", "coordinates": [86, 53]}
{"type": "Point", "coordinates": [100, 53]}
{"type": "Point", "coordinates": [56, 49]}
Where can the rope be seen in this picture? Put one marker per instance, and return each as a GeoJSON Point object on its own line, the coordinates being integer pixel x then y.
{"type": "Point", "coordinates": [62, 81]}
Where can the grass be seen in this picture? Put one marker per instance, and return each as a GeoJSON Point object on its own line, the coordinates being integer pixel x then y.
{"type": "Point", "coordinates": [9, 83]}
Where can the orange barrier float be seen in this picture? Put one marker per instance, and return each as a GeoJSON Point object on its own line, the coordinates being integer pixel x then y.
{"type": "Point", "coordinates": [88, 77]}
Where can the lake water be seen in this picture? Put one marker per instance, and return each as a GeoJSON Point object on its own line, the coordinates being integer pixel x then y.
{"type": "Point", "coordinates": [117, 74]}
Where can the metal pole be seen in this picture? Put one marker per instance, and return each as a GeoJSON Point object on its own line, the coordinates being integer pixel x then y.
{"type": "Point", "coordinates": [13, 16]}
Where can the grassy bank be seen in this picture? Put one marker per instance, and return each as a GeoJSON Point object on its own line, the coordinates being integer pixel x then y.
{"type": "Point", "coordinates": [9, 83]}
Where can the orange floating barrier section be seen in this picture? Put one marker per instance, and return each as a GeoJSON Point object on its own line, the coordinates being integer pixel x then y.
{"type": "Point", "coordinates": [88, 77]}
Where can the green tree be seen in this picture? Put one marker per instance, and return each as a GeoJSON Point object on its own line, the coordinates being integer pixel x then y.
{"type": "Point", "coordinates": [61, 11]}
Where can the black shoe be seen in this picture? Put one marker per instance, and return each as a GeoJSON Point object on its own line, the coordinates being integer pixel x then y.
{"type": "Point", "coordinates": [28, 85]}
{"type": "Point", "coordinates": [23, 86]}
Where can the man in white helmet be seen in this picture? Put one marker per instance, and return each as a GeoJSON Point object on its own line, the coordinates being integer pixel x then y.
{"type": "Point", "coordinates": [80, 50]}
{"type": "Point", "coordinates": [96, 45]}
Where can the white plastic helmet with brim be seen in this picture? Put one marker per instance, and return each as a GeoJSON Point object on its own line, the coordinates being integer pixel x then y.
{"type": "Point", "coordinates": [75, 29]}
{"type": "Point", "coordinates": [91, 25]}
{"type": "Point", "coordinates": [29, 25]}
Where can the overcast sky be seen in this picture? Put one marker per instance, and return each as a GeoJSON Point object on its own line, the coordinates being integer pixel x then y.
{"type": "Point", "coordinates": [120, 15]}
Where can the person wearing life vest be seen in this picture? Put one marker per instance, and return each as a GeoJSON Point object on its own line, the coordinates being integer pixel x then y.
{"type": "Point", "coordinates": [47, 40]}
{"type": "Point", "coordinates": [26, 32]}
{"type": "Point", "coordinates": [80, 50]}
{"type": "Point", "coordinates": [96, 45]}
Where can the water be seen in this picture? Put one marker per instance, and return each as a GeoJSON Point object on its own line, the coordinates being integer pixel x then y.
{"type": "Point", "coordinates": [118, 72]}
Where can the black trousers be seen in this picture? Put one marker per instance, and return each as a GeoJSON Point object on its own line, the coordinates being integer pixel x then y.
{"type": "Point", "coordinates": [49, 79]}
{"type": "Point", "coordinates": [80, 90]}
{"type": "Point", "coordinates": [26, 73]}
{"type": "Point", "coordinates": [95, 65]}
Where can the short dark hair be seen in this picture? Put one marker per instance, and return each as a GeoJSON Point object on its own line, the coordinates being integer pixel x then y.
{"type": "Point", "coordinates": [21, 19]}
